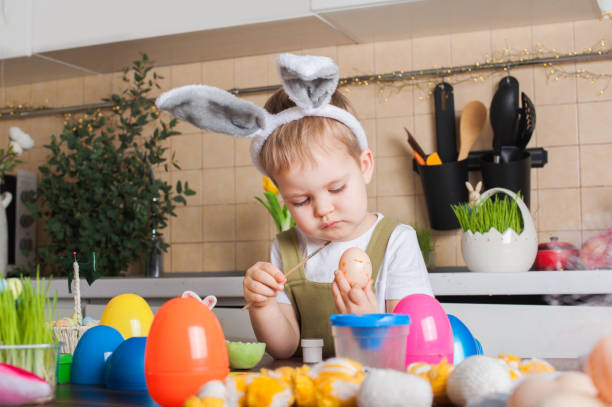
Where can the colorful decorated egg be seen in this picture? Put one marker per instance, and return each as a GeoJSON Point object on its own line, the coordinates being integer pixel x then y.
{"type": "Point", "coordinates": [356, 266]}
{"type": "Point", "coordinates": [130, 314]}
{"type": "Point", "coordinates": [431, 336]}
{"type": "Point", "coordinates": [599, 367]}
{"type": "Point", "coordinates": [185, 349]}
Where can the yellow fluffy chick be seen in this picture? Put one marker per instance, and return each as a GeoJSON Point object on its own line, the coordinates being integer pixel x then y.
{"type": "Point", "coordinates": [268, 391]}
{"type": "Point", "coordinates": [336, 367]}
{"type": "Point", "coordinates": [212, 394]}
{"type": "Point", "coordinates": [519, 368]}
{"type": "Point", "coordinates": [304, 388]}
{"type": "Point", "coordinates": [236, 387]}
{"type": "Point", "coordinates": [513, 363]}
{"type": "Point", "coordinates": [534, 366]}
{"type": "Point", "coordinates": [195, 401]}
{"type": "Point", "coordinates": [436, 375]}
{"type": "Point", "coordinates": [337, 391]}
{"type": "Point", "coordinates": [336, 382]}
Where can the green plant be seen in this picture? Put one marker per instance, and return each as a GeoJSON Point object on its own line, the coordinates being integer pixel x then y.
{"type": "Point", "coordinates": [496, 213]}
{"type": "Point", "coordinates": [426, 243]}
{"type": "Point", "coordinates": [282, 217]}
{"type": "Point", "coordinates": [8, 161]}
{"type": "Point", "coordinates": [25, 319]}
{"type": "Point", "coordinates": [98, 191]}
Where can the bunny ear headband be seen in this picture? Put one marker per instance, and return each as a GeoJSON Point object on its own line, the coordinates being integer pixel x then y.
{"type": "Point", "coordinates": [309, 81]}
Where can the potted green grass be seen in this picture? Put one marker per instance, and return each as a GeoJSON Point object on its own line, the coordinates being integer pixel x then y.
{"type": "Point", "coordinates": [498, 234]}
{"type": "Point", "coordinates": [26, 337]}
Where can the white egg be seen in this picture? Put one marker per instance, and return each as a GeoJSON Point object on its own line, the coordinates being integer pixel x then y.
{"type": "Point", "coordinates": [570, 399]}
{"type": "Point", "coordinates": [578, 382]}
{"type": "Point", "coordinates": [531, 391]}
{"type": "Point", "coordinates": [475, 377]}
{"type": "Point", "coordinates": [355, 264]}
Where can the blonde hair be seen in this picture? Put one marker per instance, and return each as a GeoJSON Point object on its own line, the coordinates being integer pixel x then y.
{"type": "Point", "coordinates": [293, 142]}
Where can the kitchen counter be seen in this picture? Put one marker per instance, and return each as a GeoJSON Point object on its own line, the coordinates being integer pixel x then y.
{"type": "Point", "coordinates": [80, 395]}
{"type": "Point", "coordinates": [508, 326]}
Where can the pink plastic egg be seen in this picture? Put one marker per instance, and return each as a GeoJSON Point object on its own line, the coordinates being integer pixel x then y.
{"type": "Point", "coordinates": [431, 336]}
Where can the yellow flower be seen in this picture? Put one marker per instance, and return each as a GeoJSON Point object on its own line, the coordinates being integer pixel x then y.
{"type": "Point", "coordinates": [269, 186]}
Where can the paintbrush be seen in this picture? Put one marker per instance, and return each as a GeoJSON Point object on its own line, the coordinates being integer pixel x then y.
{"type": "Point", "coordinates": [297, 266]}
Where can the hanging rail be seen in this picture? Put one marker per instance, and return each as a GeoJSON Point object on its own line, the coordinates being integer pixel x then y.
{"type": "Point", "coordinates": [387, 77]}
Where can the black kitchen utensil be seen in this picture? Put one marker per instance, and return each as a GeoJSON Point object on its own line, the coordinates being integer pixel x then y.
{"type": "Point", "coordinates": [528, 121]}
{"type": "Point", "coordinates": [446, 138]}
{"type": "Point", "coordinates": [510, 153]}
{"type": "Point", "coordinates": [504, 114]}
{"type": "Point", "coordinates": [415, 145]}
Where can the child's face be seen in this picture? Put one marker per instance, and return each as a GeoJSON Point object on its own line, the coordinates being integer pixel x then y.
{"type": "Point", "coordinates": [327, 197]}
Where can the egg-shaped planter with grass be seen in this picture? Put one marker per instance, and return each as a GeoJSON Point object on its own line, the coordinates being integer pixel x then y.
{"type": "Point", "coordinates": [487, 249]}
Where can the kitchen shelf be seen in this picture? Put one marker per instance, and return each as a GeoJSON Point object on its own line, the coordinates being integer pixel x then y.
{"type": "Point", "coordinates": [544, 331]}
{"type": "Point", "coordinates": [443, 283]}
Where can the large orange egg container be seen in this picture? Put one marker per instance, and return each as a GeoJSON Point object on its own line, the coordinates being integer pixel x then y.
{"type": "Point", "coordinates": [185, 349]}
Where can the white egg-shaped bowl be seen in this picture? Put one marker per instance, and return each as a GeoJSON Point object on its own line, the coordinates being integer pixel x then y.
{"type": "Point", "coordinates": [501, 252]}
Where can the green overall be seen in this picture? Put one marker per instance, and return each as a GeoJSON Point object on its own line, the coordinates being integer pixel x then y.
{"type": "Point", "coordinates": [312, 301]}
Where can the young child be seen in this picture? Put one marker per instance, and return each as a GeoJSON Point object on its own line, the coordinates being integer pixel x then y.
{"type": "Point", "coordinates": [316, 151]}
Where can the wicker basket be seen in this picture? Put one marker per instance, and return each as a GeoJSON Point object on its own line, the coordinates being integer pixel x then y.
{"type": "Point", "coordinates": [69, 336]}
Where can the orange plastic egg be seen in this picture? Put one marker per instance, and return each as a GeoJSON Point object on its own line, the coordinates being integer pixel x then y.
{"type": "Point", "coordinates": [599, 367]}
{"type": "Point", "coordinates": [185, 349]}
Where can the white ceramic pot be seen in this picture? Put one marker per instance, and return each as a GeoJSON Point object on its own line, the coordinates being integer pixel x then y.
{"type": "Point", "coordinates": [501, 252]}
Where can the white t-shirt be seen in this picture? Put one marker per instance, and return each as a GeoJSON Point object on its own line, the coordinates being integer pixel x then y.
{"type": "Point", "coordinates": [402, 271]}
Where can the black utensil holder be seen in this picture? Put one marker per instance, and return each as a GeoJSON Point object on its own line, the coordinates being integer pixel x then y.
{"type": "Point", "coordinates": [515, 175]}
{"type": "Point", "coordinates": [444, 185]}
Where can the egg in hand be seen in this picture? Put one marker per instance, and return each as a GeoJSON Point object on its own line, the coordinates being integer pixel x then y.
{"type": "Point", "coordinates": [356, 266]}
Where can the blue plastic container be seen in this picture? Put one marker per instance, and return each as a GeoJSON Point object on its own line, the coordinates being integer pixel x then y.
{"type": "Point", "coordinates": [375, 340]}
{"type": "Point", "coordinates": [125, 368]}
{"type": "Point", "coordinates": [93, 350]}
{"type": "Point", "coordinates": [464, 343]}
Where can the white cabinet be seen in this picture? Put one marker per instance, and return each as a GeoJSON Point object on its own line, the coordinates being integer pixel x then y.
{"type": "Point", "coordinates": [15, 28]}
{"type": "Point", "coordinates": [65, 24]}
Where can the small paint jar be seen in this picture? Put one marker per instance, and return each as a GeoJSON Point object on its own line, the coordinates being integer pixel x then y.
{"type": "Point", "coordinates": [312, 350]}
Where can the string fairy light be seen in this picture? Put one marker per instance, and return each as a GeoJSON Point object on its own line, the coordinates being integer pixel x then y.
{"type": "Point", "coordinates": [497, 64]}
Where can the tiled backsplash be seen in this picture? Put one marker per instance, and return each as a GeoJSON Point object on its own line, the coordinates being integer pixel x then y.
{"type": "Point", "coordinates": [223, 228]}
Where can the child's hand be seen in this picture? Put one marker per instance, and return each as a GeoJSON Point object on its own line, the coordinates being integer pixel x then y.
{"type": "Point", "coordinates": [355, 300]}
{"type": "Point", "coordinates": [261, 283]}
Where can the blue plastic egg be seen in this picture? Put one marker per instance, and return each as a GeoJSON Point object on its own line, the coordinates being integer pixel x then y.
{"type": "Point", "coordinates": [91, 354]}
{"type": "Point", "coordinates": [125, 368]}
{"type": "Point", "coordinates": [464, 343]}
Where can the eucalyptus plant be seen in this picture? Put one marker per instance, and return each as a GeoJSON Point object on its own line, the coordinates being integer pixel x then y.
{"type": "Point", "coordinates": [98, 192]}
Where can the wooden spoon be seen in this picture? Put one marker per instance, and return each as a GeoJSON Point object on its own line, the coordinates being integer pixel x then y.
{"type": "Point", "coordinates": [472, 121]}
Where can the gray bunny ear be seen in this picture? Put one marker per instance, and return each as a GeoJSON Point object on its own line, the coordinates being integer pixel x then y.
{"type": "Point", "coordinates": [213, 109]}
{"type": "Point", "coordinates": [310, 81]}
